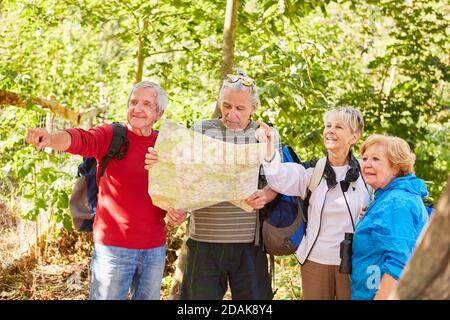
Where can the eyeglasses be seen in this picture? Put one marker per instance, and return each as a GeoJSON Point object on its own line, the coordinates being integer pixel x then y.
{"type": "Point", "coordinates": [246, 81]}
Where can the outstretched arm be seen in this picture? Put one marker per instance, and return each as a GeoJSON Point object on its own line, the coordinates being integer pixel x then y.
{"type": "Point", "coordinates": [40, 138]}
{"type": "Point", "coordinates": [286, 178]}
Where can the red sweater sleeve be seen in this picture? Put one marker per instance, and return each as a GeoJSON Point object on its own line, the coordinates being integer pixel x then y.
{"type": "Point", "coordinates": [90, 143]}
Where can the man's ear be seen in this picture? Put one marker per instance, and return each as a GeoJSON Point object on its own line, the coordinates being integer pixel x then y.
{"type": "Point", "coordinates": [160, 114]}
{"type": "Point", "coordinates": [253, 110]}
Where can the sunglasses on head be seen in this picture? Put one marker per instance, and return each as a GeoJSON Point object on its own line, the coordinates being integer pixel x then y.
{"type": "Point", "coordinates": [246, 81]}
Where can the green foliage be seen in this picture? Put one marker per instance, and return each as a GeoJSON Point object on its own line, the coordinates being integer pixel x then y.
{"type": "Point", "coordinates": [405, 95]}
{"type": "Point", "coordinates": [37, 179]}
{"type": "Point", "coordinates": [384, 57]}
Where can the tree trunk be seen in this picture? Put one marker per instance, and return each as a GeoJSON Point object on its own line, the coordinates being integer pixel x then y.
{"type": "Point", "coordinates": [427, 275]}
{"type": "Point", "coordinates": [391, 76]}
{"type": "Point", "coordinates": [228, 43]}
{"type": "Point", "coordinates": [179, 271]}
{"type": "Point", "coordinates": [140, 57]}
{"type": "Point", "coordinates": [226, 68]}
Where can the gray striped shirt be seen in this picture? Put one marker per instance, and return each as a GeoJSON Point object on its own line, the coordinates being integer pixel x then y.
{"type": "Point", "coordinates": [224, 222]}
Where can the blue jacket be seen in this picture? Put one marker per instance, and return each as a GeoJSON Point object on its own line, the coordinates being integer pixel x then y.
{"type": "Point", "coordinates": [386, 235]}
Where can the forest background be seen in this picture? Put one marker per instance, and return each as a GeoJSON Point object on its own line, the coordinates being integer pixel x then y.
{"type": "Point", "coordinates": [388, 58]}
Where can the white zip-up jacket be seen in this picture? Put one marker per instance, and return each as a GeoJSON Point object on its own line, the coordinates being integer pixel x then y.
{"type": "Point", "coordinates": [293, 179]}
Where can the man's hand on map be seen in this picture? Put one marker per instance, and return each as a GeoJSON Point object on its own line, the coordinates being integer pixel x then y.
{"type": "Point", "coordinates": [175, 183]}
{"type": "Point", "coordinates": [176, 216]}
{"type": "Point", "coordinates": [270, 194]}
{"type": "Point", "coordinates": [257, 200]}
{"type": "Point", "coordinates": [264, 134]}
{"type": "Point", "coordinates": [151, 158]}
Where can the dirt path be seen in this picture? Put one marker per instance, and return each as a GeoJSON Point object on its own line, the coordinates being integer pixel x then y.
{"type": "Point", "coordinates": [60, 271]}
{"type": "Point", "coordinates": [59, 268]}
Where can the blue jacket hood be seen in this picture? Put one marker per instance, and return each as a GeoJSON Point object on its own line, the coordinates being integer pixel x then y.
{"type": "Point", "coordinates": [409, 183]}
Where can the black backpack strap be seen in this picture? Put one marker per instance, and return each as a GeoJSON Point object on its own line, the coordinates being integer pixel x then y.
{"type": "Point", "coordinates": [118, 147]}
{"type": "Point", "coordinates": [309, 164]}
{"type": "Point", "coordinates": [294, 155]}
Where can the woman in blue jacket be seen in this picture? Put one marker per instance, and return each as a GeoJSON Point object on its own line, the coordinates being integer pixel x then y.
{"type": "Point", "coordinates": [386, 235]}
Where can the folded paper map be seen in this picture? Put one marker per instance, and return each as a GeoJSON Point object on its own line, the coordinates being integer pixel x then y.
{"type": "Point", "coordinates": [196, 171]}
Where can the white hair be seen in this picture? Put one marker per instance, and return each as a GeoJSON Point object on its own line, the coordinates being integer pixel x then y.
{"type": "Point", "coordinates": [161, 96]}
{"type": "Point", "coordinates": [238, 85]}
{"type": "Point", "coordinates": [351, 116]}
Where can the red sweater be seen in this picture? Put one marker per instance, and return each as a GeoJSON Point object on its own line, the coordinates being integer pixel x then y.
{"type": "Point", "coordinates": [126, 216]}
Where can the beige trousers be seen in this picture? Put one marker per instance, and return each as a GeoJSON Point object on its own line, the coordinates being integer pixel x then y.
{"type": "Point", "coordinates": [324, 282]}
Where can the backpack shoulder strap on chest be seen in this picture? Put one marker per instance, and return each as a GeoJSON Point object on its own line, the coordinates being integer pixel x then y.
{"type": "Point", "coordinates": [317, 174]}
{"type": "Point", "coordinates": [118, 147]}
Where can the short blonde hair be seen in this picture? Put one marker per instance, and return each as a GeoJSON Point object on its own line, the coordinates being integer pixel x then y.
{"type": "Point", "coordinates": [399, 153]}
{"type": "Point", "coordinates": [351, 116]}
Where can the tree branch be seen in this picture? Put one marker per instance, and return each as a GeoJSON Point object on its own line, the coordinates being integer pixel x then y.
{"type": "Point", "coordinates": [18, 100]}
{"type": "Point", "coordinates": [229, 40]}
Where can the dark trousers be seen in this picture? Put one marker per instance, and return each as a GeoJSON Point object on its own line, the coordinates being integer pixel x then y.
{"type": "Point", "coordinates": [210, 267]}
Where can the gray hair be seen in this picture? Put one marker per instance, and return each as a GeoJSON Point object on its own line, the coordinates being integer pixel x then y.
{"type": "Point", "coordinates": [161, 96]}
{"type": "Point", "coordinates": [238, 85]}
{"type": "Point", "coordinates": [351, 116]}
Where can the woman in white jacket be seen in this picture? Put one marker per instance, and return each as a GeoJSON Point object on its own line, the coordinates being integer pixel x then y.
{"type": "Point", "coordinates": [334, 205]}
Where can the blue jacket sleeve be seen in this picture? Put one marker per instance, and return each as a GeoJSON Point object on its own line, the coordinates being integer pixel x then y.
{"type": "Point", "coordinates": [399, 235]}
{"type": "Point", "coordinates": [394, 261]}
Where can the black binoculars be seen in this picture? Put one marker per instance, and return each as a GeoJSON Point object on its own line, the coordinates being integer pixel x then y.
{"type": "Point", "coordinates": [346, 254]}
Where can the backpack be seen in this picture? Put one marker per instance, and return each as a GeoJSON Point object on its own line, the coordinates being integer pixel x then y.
{"type": "Point", "coordinates": [429, 206]}
{"type": "Point", "coordinates": [284, 221]}
{"type": "Point", "coordinates": [83, 201]}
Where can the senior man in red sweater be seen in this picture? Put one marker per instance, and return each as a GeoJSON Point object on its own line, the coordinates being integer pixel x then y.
{"type": "Point", "coordinates": [129, 231]}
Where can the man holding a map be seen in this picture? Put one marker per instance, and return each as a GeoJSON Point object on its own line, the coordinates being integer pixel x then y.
{"type": "Point", "coordinates": [214, 171]}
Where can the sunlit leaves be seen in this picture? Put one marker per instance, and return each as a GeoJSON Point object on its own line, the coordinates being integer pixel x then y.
{"type": "Point", "coordinates": [386, 58]}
